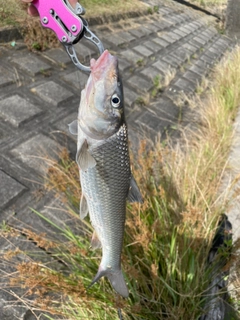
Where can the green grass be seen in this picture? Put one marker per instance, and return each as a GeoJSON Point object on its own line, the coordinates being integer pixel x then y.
{"type": "Point", "coordinates": [167, 239]}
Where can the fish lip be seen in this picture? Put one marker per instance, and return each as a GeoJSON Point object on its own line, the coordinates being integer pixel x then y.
{"type": "Point", "coordinates": [102, 61]}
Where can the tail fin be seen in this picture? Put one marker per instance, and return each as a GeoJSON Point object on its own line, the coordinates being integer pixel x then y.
{"type": "Point", "coordinates": [116, 279]}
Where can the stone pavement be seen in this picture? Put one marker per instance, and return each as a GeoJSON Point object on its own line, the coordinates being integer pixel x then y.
{"type": "Point", "coordinates": [39, 97]}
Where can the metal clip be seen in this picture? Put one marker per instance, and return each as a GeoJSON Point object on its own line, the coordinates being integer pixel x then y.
{"type": "Point", "coordinates": [89, 35]}
{"type": "Point", "coordinates": [69, 27]}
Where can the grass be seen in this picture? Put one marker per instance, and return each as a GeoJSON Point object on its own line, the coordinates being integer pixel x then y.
{"type": "Point", "coordinates": [167, 239]}
{"type": "Point", "coordinates": [215, 6]}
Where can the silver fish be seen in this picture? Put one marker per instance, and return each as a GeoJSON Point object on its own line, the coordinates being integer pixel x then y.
{"type": "Point", "coordinates": [103, 160]}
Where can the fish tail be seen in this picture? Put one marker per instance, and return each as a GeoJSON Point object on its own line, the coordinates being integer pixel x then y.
{"type": "Point", "coordinates": [118, 283]}
{"type": "Point", "coordinates": [116, 278]}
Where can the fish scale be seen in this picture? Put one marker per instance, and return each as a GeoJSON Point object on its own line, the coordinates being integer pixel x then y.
{"type": "Point", "coordinates": [110, 183]}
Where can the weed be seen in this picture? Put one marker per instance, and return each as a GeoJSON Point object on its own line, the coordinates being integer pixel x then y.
{"type": "Point", "coordinates": [143, 101]}
{"type": "Point", "coordinates": [156, 86]}
{"type": "Point", "coordinates": [140, 62]}
{"type": "Point", "coordinates": [168, 77]}
{"type": "Point", "coordinates": [36, 46]}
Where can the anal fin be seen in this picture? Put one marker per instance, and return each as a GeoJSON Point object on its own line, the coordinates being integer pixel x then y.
{"type": "Point", "coordinates": [83, 207]}
{"type": "Point", "coordinates": [95, 242]}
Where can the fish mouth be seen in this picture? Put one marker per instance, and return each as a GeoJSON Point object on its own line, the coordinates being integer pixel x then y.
{"type": "Point", "coordinates": [103, 65]}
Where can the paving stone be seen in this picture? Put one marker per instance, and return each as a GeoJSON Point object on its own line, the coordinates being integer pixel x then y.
{"type": "Point", "coordinates": [166, 110]}
{"type": "Point", "coordinates": [192, 26]}
{"type": "Point", "coordinates": [163, 11]}
{"type": "Point", "coordinates": [184, 30]}
{"type": "Point", "coordinates": [143, 50]}
{"type": "Point", "coordinates": [137, 32]}
{"type": "Point", "coordinates": [62, 125]}
{"type": "Point", "coordinates": [84, 53]}
{"type": "Point", "coordinates": [197, 69]}
{"type": "Point", "coordinates": [161, 66]}
{"type": "Point", "coordinates": [172, 61]}
{"type": "Point", "coordinates": [213, 54]}
{"type": "Point", "coordinates": [199, 41]}
{"type": "Point", "coordinates": [159, 118]}
{"type": "Point", "coordinates": [114, 40]}
{"type": "Point", "coordinates": [57, 212]}
{"type": "Point", "coordinates": [176, 20]}
{"type": "Point", "coordinates": [220, 44]}
{"type": "Point", "coordinates": [151, 72]}
{"type": "Point", "coordinates": [31, 64]}
{"type": "Point", "coordinates": [167, 38]}
{"type": "Point", "coordinates": [35, 152]}
{"type": "Point", "coordinates": [153, 27]}
{"type": "Point", "coordinates": [77, 79]}
{"type": "Point", "coordinates": [123, 64]}
{"type": "Point", "coordinates": [185, 85]}
{"type": "Point", "coordinates": [203, 65]}
{"type": "Point", "coordinates": [131, 56]}
{"type": "Point", "coordinates": [139, 83]}
{"type": "Point", "coordinates": [17, 110]}
{"type": "Point", "coordinates": [126, 36]}
{"type": "Point", "coordinates": [191, 48]}
{"type": "Point", "coordinates": [181, 54]}
{"type": "Point", "coordinates": [174, 36]}
{"type": "Point", "coordinates": [58, 55]}
{"type": "Point", "coordinates": [165, 24]}
{"type": "Point", "coordinates": [129, 96]}
{"type": "Point", "coordinates": [10, 189]}
{"type": "Point", "coordinates": [161, 42]}
{"type": "Point", "coordinates": [206, 58]}
{"type": "Point", "coordinates": [152, 46]}
{"type": "Point", "coordinates": [188, 27]}
{"type": "Point", "coordinates": [5, 77]}
{"type": "Point", "coordinates": [192, 76]}
{"type": "Point", "coordinates": [180, 33]}
{"type": "Point", "coordinates": [52, 93]}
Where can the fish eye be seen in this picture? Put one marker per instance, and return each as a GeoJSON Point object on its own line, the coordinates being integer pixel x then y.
{"type": "Point", "coordinates": [115, 101]}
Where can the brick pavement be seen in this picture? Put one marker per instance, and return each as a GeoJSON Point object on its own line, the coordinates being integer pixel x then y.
{"type": "Point", "coordinates": [39, 96]}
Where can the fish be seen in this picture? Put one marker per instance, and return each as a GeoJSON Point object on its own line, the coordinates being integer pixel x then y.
{"type": "Point", "coordinates": [104, 165]}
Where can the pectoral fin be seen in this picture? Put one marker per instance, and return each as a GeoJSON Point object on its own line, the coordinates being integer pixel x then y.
{"type": "Point", "coordinates": [73, 127]}
{"type": "Point", "coordinates": [83, 158]}
{"type": "Point", "coordinates": [83, 207]}
{"type": "Point", "coordinates": [95, 242]}
{"type": "Point", "coordinates": [134, 194]}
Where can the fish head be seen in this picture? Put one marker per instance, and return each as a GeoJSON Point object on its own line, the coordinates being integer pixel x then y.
{"type": "Point", "coordinates": [101, 107]}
